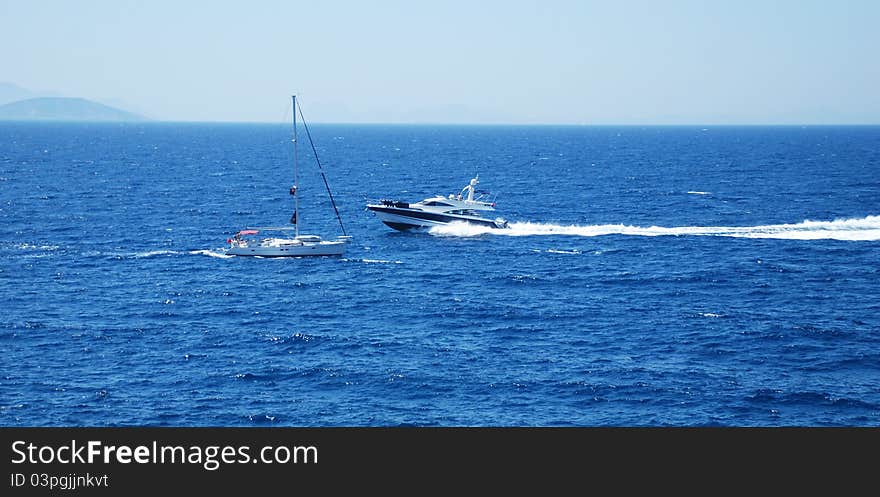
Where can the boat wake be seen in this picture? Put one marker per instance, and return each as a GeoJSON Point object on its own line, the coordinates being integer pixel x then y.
{"type": "Point", "coordinates": [373, 261]}
{"type": "Point", "coordinates": [856, 229]}
{"type": "Point", "coordinates": [151, 253]}
{"type": "Point", "coordinates": [157, 253]}
{"type": "Point", "coordinates": [212, 253]}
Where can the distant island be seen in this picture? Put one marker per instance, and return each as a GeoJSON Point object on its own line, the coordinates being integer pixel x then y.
{"type": "Point", "coordinates": [63, 109]}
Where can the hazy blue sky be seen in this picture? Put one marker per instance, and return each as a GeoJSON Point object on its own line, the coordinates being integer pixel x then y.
{"type": "Point", "coordinates": [472, 61]}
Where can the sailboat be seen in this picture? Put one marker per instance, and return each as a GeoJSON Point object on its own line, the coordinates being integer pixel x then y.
{"type": "Point", "coordinates": [276, 241]}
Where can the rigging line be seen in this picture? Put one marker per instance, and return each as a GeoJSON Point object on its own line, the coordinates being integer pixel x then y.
{"type": "Point", "coordinates": [323, 176]}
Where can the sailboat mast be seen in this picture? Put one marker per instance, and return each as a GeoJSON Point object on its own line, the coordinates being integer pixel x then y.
{"type": "Point", "coordinates": [295, 172]}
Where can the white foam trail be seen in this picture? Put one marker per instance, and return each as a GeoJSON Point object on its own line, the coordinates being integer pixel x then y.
{"type": "Point", "coordinates": [464, 229]}
{"type": "Point", "coordinates": [709, 315]}
{"type": "Point", "coordinates": [698, 193]}
{"type": "Point", "coordinates": [153, 253]}
{"type": "Point", "coordinates": [856, 229]}
{"type": "Point", "coordinates": [31, 246]}
{"type": "Point", "coordinates": [374, 261]}
{"type": "Point", "coordinates": [555, 251]}
{"type": "Point", "coordinates": [211, 253]}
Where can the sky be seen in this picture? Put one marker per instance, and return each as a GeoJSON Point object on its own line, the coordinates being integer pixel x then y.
{"type": "Point", "coordinates": [452, 61]}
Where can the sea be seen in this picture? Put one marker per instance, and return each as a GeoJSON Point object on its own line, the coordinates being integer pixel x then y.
{"type": "Point", "coordinates": [652, 276]}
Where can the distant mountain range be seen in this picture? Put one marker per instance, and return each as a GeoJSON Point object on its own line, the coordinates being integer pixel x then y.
{"type": "Point", "coordinates": [63, 109]}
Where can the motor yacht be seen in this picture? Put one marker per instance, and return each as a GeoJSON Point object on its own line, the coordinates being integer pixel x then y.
{"type": "Point", "coordinates": [439, 210]}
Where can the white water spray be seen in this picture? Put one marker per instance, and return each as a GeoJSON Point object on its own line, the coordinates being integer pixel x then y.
{"type": "Point", "coordinates": [212, 253]}
{"type": "Point", "coordinates": [857, 229]}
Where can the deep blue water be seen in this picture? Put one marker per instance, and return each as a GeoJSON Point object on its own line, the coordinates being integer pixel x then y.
{"type": "Point", "coordinates": [654, 276]}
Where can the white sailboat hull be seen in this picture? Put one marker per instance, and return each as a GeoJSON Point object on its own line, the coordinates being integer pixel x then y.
{"type": "Point", "coordinates": [305, 249]}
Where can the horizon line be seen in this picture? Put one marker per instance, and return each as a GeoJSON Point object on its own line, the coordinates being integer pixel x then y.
{"type": "Point", "coordinates": [446, 123]}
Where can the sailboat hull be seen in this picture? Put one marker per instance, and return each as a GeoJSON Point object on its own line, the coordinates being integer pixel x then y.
{"type": "Point", "coordinates": [324, 248]}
